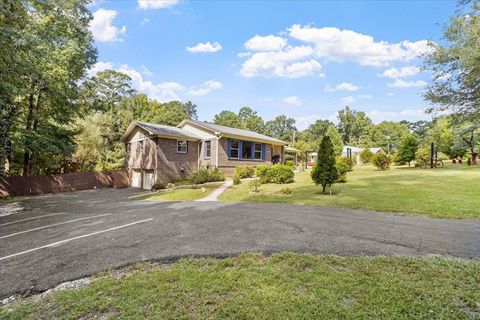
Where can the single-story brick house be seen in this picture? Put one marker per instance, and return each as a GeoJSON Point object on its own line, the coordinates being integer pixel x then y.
{"type": "Point", "coordinates": [164, 153]}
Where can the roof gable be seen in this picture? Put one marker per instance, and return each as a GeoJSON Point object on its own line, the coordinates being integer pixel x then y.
{"type": "Point", "coordinates": [159, 130]}
{"type": "Point", "coordinates": [245, 134]}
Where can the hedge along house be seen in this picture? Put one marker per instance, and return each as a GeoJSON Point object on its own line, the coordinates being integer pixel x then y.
{"type": "Point", "coordinates": [159, 153]}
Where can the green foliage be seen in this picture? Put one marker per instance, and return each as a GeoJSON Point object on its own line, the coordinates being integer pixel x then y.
{"type": "Point", "coordinates": [289, 163]}
{"type": "Point", "coordinates": [286, 191]}
{"type": "Point", "coordinates": [407, 149]}
{"type": "Point", "coordinates": [46, 49]}
{"type": "Point", "coordinates": [354, 126]}
{"type": "Point", "coordinates": [261, 171]}
{"type": "Point", "coordinates": [349, 162]}
{"type": "Point", "coordinates": [469, 161]}
{"type": "Point", "coordinates": [325, 172]}
{"type": "Point", "coordinates": [342, 169]}
{"type": "Point", "coordinates": [204, 175]}
{"type": "Point", "coordinates": [387, 135]}
{"type": "Point", "coordinates": [228, 118]}
{"type": "Point", "coordinates": [277, 173]}
{"type": "Point", "coordinates": [314, 134]}
{"type": "Point", "coordinates": [244, 172]}
{"type": "Point", "coordinates": [281, 128]}
{"type": "Point", "coordinates": [366, 155]}
{"type": "Point", "coordinates": [255, 185]}
{"type": "Point", "coordinates": [236, 180]}
{"type": "Point", "coordinates": [381, 161]}
{"type": "Point", "coordinates": [455, 65]}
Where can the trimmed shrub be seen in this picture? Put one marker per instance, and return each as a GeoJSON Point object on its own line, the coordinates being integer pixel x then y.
{"type": "Point", "coordinates": [244, 172]}
{"type": "Point", "coordinates": [289, 163]}
{"type": "Point", "coordinates": [278, 173]}
{"type": "Point", "coordinates": [236, 180]}
{"type": "Point", "coordinates": [216, 175]}
{"type": "Point", "coordinates": [325, 172]}
{"type": "Point", "coordinates": [381, 161]}
{"type": "Point", "coordinates": [204, 175]}
{"type": "Point", "coordinates": [158, 186]}
{"type": "Point", "coordinates": [347, 162]}
{"type": "Point", "coordinates": [469, 161]}
{"type": "Point", "coordinates": [261, 171]}
{"type": "Point", "coordinates": [366, 155]}
{"type": "Point", "coordinates": [342, 169]}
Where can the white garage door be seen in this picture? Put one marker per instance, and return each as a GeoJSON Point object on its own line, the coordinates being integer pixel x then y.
{"type": "Point", "coordinates": [137, 178]}
{"type": "Point", "coordinates": [148, 179]}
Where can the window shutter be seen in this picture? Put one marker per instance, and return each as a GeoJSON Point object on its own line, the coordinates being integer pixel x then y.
{"type": "Point", "coordinates": [228, 148]}
{"type": "Point", "coordinates": [240, 147]}
{"type": "Point", "coordinates": [264, 151]}
{"type": "Point", "coordinates": [252, 152]}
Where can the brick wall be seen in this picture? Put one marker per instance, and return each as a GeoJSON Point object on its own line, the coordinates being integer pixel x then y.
{"type": "Point", "coordinates": [169, 162]}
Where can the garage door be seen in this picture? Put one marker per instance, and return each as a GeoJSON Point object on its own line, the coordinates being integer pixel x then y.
{"type": "Point", "coordinates": [137, 178]}
{"type": "Point", "coordinates": [148, 179]}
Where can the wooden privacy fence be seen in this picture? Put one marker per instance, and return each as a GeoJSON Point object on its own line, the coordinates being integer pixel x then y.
{"type": "Point", "coordinates": [31, 185]}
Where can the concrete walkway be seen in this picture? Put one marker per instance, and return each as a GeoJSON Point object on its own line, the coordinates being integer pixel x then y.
{"type": "Point", "coordinates": [214, 195]}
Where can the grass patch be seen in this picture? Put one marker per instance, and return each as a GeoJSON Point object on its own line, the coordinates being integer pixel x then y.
{"type": "Point", "coordinates": [449, 192]}
{"type": "Point", "coordinates": [180, 194]}
{"type": "Point", "coordinates": [283, 286]}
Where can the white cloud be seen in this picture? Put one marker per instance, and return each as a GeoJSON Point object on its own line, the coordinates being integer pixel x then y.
{"type": "Point", "coordinates": [289, 62]}
{"type": "Point", "coordinates": [365, 96]}
{"type": "Point", "coordinates": [102, 26]}
{"type": "Point", "coordinates": [205, 47]}
{"type": "Point", "coordinates": [390, 94]}
{"type": "Point", "coordinates": [145, 21]}
{"type": "Point", "coordinates": [145, 71]}
{"type": "Point", "coordinates": [266, 43]}
{"type": "Point", "coordinates": [399, 83]}
{"type": "Point", "coordinates": [344, 86]}
{"type": "Point", "coordinates": [244, 54]}
{"type": "Point", "coordinates": [294, 100]}
{"type": "Point", "coordinates": [99, 66]}
{"type": "Point", "coordinates": [406, 114]}
{"type": "Point", "coordinates": [205, 88]}
{"type": "Point", "coordinates": [156, 4]}
{"type": "Point", "coordinates": [304, 122]}
{"type": "Point", "coordinates": [348, 45]}
{"type": "Point", "coordinates": [163, 91]}
{"type": "Point", "coordinates": [348, 100]}
{"type": "Point", "coordinates": [404, 72]}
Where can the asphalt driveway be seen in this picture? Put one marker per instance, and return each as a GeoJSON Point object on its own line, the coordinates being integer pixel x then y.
{"type": "Point", "coordinates": [47, 240]}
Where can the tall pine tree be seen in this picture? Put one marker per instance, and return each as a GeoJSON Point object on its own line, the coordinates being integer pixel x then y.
{"type": "Point", "coordinates": [325, 171]}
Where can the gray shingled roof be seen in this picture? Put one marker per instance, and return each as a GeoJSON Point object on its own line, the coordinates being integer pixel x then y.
{"type": "Point", "coordinates": [236, 132]}
{"type": "Point", "coordinates": [159, 129]}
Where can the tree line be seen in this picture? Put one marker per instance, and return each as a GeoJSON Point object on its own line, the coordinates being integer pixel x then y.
{"type": "Point", "coordinates": [55, 117]}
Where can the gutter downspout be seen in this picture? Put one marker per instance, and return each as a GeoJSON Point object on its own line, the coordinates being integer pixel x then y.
{"type": "Point", "coordinates": [219, 136]}
{"type": "Point", "coordinates": [198, 155]}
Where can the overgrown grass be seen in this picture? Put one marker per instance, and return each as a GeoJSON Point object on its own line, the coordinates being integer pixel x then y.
{"type": "Point", "coordinates": [283, 286]}
{"type": "Point", "coordinates": [180, 194]}
{"type": "Point", "coordinates": [449, 192]}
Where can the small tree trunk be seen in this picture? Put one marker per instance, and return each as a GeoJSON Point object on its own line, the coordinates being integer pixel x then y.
{"type": "Point", "coordinates": [324, 186]}
{"type": "Point", "coordinates": [28, 127]}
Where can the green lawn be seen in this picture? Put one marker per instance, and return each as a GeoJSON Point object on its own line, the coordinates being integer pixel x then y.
{"type": "Point", "coordinates": [449, 192]}
{"type": "Point", "coordinates": [283, 286]}
{"type": "Point", "coordinates": [179, 194]}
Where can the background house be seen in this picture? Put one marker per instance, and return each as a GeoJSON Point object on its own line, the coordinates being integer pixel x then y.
{"type": "Point", "coordinates": [165, 153]}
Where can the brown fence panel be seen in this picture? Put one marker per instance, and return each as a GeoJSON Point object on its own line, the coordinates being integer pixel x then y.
{"type": "Point", "coordinates": [20, 186]}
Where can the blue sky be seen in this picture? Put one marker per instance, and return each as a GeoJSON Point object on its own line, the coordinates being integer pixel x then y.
{"type": "Point", "coordinates": [304, 59]}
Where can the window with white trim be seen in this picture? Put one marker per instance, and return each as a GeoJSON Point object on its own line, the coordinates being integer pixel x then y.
{"type": "Point", "coordinates": [182, 146]}
{"type": "Point", "coordinates": [257, 151]}
{"type": "Point", "coordinates": [234, 148]}
{"type": "Point", "coordinates": [208, 149]}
